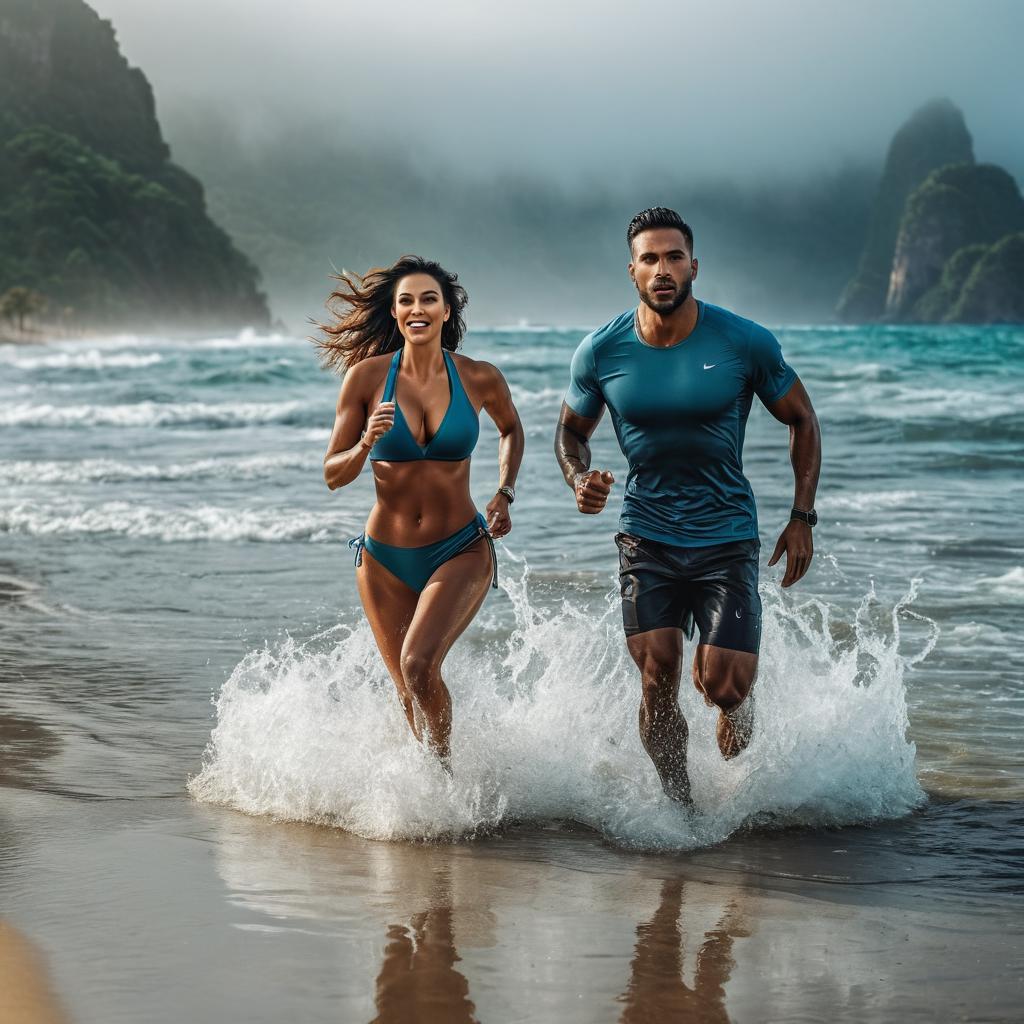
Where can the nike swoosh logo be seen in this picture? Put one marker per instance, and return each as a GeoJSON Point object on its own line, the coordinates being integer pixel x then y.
{"type": "Point", "coordinates": [710, 366]}
{"type": "Point", "coordinates": [739, 615]}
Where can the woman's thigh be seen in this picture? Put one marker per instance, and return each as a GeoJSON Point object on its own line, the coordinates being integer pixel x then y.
{"type": "Point", "coordinates": [390, 606]}
{"type": "Point", "coordinates": [448, 603]}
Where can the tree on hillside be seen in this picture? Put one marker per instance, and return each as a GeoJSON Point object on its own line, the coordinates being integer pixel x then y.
{"type": "Point", "coordinates": [19, 302]}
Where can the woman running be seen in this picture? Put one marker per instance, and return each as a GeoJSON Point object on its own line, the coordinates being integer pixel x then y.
{"type": "Point", "coordinates": [412, 408]}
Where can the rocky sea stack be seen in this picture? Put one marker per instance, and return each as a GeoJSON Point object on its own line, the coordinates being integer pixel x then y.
{"type": "Point", "coordinates": [943, 244]}
{"type": "Point", "coordinates": [94, 215]}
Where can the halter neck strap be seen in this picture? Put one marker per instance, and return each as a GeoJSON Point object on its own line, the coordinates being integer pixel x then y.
{"type": "Point", "coordinates": [389, 384]}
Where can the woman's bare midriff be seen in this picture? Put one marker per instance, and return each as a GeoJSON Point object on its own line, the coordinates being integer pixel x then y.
{"type": "Point", "coordinates": [419, 502]}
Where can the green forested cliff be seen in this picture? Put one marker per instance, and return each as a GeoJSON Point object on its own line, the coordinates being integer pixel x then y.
{"type": "Point", "coordinates": [933, 136]}
{"type": "Point", "coordinates": [958, 211]}
{"type": "Point", "coordinates": [93, 213]}
{"type": "Point", "coordinates": [945, 239]}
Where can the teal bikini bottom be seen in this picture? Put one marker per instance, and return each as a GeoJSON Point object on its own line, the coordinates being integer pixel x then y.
{"type": "Point", "coordinates": [414, 566]}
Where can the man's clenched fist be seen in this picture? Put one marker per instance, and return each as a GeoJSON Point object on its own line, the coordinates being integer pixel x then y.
{"type": "Point", "coordinates": [592, 490]}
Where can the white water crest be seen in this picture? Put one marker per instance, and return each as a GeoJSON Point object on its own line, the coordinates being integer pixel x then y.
{"type": "Point", "coordinates": [90, 359]}
{"type": "Point", "coordinates": [545, 727]}
{"type": "Point", "coordinates": [868, 500]}
{"type": "Point", "coordinates": [253, 467]}
{"type": "Point", "coordinates": [1009, 585]}
{"type": "Point", "coordinates": [154, 414]}
{"type": "Point", "coordinates": [273, 525]}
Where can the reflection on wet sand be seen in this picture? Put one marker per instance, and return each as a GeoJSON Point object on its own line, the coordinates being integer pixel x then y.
{"type": "Point", "coordinates": [520, 928]}
{"type": "Point", "coordinates": [24, 743]}
{"type": "Point", "coordinates": [25, 993]}
{"type": "Point", "coordinates": [656, 988]}
{"type": "Point", "coordinates": [418, 980]}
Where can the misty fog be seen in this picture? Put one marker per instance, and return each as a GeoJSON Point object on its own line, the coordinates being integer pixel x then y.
{"type": "Point", "coordinates": [577, 89]}
{"type": "Point", "coordinates": [342, 133]}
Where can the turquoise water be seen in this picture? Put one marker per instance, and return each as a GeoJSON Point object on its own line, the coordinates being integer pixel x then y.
{"type": "Point", "coordinates": [163, 500]}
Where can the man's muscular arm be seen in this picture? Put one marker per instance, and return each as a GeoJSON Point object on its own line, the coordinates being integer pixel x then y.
{"type": "Point", "coordinates": [795, 410]}
{"type": "Point", "coordinates": [572, 449]}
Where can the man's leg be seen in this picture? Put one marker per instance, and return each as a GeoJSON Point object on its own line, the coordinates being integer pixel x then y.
{"type": "Point", "coordinates": [653, 610]}
{"type": "Point", "coordinates": [728, 610]}
{"type": "Point", "coordinates": [725, 678]}
{"type": "Point", "coordinates": [658, 654]}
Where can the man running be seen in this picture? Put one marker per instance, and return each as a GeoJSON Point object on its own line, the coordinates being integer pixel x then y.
{"type": "Point", "coordinates": [679, 376]}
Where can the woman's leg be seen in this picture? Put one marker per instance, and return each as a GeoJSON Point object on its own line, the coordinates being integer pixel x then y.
{"type": "Point", "coordinates": [389, 605]}
{"type": "Point", "coordinates": [446, 607]}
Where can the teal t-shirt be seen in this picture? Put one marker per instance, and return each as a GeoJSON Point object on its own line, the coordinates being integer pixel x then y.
{"type": "Point", "coordinates": [680, 414]}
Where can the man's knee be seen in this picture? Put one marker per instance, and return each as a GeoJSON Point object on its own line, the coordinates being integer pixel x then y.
{"type": "Point", "coordinates": [726, 692]}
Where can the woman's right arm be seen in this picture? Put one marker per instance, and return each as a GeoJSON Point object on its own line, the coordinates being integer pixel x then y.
{"type": "Point", "coordinates": [350, 444]}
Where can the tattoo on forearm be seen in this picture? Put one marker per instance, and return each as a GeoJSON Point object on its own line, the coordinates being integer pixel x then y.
{"type": "Point", "coordinates": [572, 450]}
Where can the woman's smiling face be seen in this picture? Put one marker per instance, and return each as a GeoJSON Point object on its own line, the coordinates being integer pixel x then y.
{"type": "Point", "coordinates": [419, 309]}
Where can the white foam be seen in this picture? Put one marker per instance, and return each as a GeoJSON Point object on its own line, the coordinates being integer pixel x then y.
{"type": "Point", "coordinates": [910, 402]}
{"type": "Point", "coordinates": [1010, 584]}
{"type": "Point", "coordinates": [246, 339]}
{"type": "Point", "coordinates": [113, 471]}
{"type": "Point", "coordinates": [525, 327]}
{"type": "Point", "coordinates": [868, 500]}
{"type": "Point", "coordinates": [153, 414]}
{"type": "Point", "coordinates": [195, 523]}
{"type": "Point", "coordinates": [90, 359]}
{"type": "Point", "coordinates": [526, 397]}
{"type": "Point", "coordinates": [545, 727]}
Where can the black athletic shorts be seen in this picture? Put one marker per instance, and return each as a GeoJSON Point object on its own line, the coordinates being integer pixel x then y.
{"type": "Point", "coordinates": [714, 587]}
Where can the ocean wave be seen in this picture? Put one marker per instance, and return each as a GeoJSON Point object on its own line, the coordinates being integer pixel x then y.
{"type": "Point", "coordinates": [526, 397]}
{"type": "Point", "coordinates": [247, 340]}
{"type": "Point", "coordinates": [1010, 584]}
{"type": "Point", "coordinates": [90, 359]}
{"type": "Point", "coordinates": [524, 327]}
{"type": "Point", "coordinates": [545, 728]}
{"type": "Point", "coordinates": [913, 402]}
{"type": "Point", "coordinates": [175, 525]}
{"type": "Point", "coordinates": [159, 414]}
{"type": "Point", "coordinates": [867, 500]}
{"type": "Point", "coordinates": [255, 467]}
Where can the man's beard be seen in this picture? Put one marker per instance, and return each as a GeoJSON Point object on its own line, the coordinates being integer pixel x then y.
{"type": "Point", "coordinates": [669, 306]}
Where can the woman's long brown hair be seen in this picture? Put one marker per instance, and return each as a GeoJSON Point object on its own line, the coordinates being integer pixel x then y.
{"type": "Point", "coordinates": [363, 325]}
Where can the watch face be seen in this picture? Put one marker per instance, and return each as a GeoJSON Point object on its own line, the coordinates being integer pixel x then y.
{"type": "Point", "coordinates": [812, 518]}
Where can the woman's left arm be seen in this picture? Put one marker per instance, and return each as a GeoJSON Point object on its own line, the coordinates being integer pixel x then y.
{"type": "Point", "coordinates": [499, 406]}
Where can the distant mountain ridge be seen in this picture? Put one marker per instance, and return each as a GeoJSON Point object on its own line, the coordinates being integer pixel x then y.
{"type": "Point", "coordinates": [93, 213]}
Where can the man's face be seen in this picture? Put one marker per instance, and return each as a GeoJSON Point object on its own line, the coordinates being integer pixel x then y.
{"type": "Point", "coordinates": [663, 269]}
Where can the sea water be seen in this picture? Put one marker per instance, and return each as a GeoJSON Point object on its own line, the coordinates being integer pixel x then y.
{"type": "Point", "coordinates": [180, 633]}
{"type": "Point", "coordinates": [148, 483]}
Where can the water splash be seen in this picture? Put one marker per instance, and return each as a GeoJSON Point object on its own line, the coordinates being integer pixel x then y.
{"type": "Point", "coordinates": [546, 728]}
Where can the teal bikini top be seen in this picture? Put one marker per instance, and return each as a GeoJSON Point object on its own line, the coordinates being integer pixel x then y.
{"type": "Point", "coordinates": [455, 438]}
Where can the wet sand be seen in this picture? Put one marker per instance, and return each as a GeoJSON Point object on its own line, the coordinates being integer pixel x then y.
{"type": "Point", "coordinates": [180, 911]}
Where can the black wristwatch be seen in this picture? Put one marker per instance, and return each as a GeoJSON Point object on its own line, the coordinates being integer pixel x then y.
{"type": "Point", "coordinates": [810, 518]}
{"type": "Point", "coordinates": [509, 492]}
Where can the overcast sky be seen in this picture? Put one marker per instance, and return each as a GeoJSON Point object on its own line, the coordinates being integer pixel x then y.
{"type": "Point", "coordinates": [591, 90]}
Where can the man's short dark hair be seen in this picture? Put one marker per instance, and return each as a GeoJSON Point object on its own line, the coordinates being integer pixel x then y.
{"type": "Point", "coordinates": [658, 217]}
